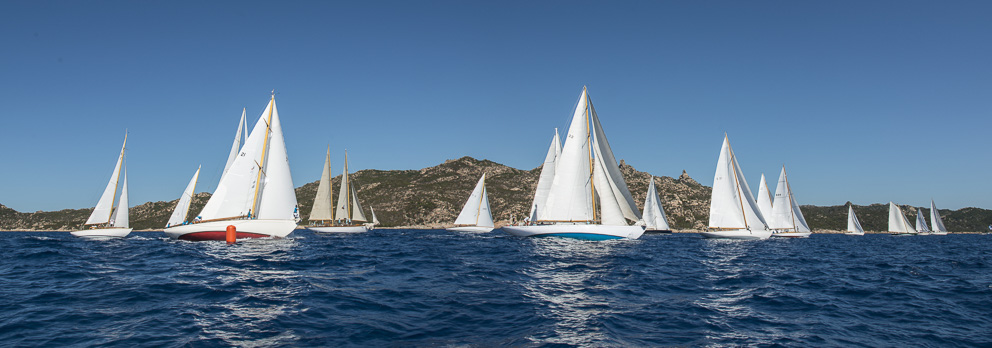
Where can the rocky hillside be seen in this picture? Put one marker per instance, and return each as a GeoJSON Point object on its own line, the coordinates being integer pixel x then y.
{"type": "Point", "coordinates": [432, 197]}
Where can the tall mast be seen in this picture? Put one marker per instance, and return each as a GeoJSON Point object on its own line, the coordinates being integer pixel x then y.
{"type": "Point", "coordinates": [265, 147]}
{"type": "Point", "coordinates": [592, 181]}
{"type": "Point", "coordinates": [346, 185]}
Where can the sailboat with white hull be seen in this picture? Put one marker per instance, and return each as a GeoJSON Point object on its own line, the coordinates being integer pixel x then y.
{"type": "Point", "coordinates": [787, 219]}
{"type": "Point", "coordinates": [106, 221]}
{"type": "Point", "coordinates": [936, 222]}
{"type": "Point", "coordinates": [654, 215]}
{"type": "Point", "coordinates": [733, 212]}
{"type": "Point", "coordinates": [853, 225]}
{"type": "Point", "coordinates": [588, 197]}
{"type": "Point", "coordinates": [255, 194]}
{"type": "Point", "coordinates": [350, 217]}
{"type": "Point", "coordinates": [475, 215]}
{"type": "Point", "coordinates": [921, 223]}
{"type": "Point", "coordinates": [898, 224]}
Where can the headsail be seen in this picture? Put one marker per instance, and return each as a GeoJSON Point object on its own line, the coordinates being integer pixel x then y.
{"type": "Point", "coordinates": [322, 201]}
{"type": "Point", "coordinates": [105, 206]}
{"type": "Point", "coordinates": [617, 186]}
{"type": "Point", "coordinates": [121, 217]}
{"type": "Point", "coordinates": [344, 192]}
{"type": "Point", "coordinates": [546, 178]}
{"type": "Point", "coordinates": [853, 225]}
{"type": "Point", "coordinates": [237, 142]}
{"type": "Point", "coordinates": [182, 207]}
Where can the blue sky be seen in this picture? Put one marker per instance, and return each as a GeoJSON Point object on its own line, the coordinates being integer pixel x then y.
{"type": "Point", "coordinates": [863, 101]}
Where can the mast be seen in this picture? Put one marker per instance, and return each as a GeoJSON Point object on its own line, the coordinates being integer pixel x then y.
{"type": "Point", "coordinates": [347, 183]}
{"type": "Point", "coordinates": [265, 147]}
{"type": "Point", "coordinates": [592, 183]}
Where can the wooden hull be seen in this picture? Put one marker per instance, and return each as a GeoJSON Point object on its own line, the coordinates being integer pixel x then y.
{"type": "Point", "coordinates": [217, 230]}
{"type": "Point", "coordinates": [588, 232]}
{"type": "Point", "coordinates": [102, 233]}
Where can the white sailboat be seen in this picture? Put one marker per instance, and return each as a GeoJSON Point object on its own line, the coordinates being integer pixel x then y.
{"type": "Point", "coordinates": [733, 212]}
{"type": "Point", "coordinates": [654, 214]}
{"type": "Point", "coordinates": [764, 198]}
{"type": "Point", "coordinates": [106, 221]}
{"type": "Point", "coordinates": [921, 223]}
{"type": "Point", "coordinates": [475, 215]}
{"type": "Point", "coordinates": [898, 224]}
{"type": "Point", "coordinates": [375, 221]}
{"type": "Point", "coordinates": [350, 218]}
{"type": "Point", "coordinates": [547, 177]}
{"type": "Point", "coordinates": [936, 222]}
{"type": "Point", "coordinates": [256, 193]}
{"type": "Point", "coordinates": [588, 197]}
{"type": "Point", "coordinates": [182, 207]}
{"type": "Point", "coordinates": [853, 225]}
{"type": "Point", "coordinates": [787, 219]}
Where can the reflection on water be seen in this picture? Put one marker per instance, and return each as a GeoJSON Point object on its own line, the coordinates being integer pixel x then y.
{"type": "Point", "coordinates": [262, 294]}
{"type": "Point", "coordinates": [563, 278]}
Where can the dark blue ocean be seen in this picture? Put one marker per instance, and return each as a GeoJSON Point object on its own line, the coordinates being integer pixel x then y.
{"type": "Point", "coordinates": [438, 288]}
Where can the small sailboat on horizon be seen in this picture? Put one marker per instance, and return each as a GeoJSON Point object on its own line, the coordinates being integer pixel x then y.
{"type": "Point", "coordinates": [107, 221]}
{"type": "Point", "coordinates": [787, 220]}
{"type": "Point", "coordinates": [936, 222]}
{"type": "Point", "coordinates": [348, 217]}
{"type": "Point", "coordinates": [181, 211]}
{"type": "Point", "coordinates": [733, 212]}
{"type": "Point", "coordinates": [898, 223]}
{"type": "Point", "coordinates": [475, 215]}
{"type": "Point", "coordinates": [588, 197]}
{"type": "Point", "coordinates": [921, 223]}
{"type": "Point", "coordinates": [654, 217]}
{"type": "Point", "coordinates": [853, 225]}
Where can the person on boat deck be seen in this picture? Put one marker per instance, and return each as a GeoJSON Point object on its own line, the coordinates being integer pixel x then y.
{"type": "Point", "coordinates": [527, 221]}
{"type": "Point", "coordinates": [197, 219]}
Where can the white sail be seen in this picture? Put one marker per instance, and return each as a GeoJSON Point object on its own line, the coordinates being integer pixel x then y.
{"type": "Point", "coordinates": [570, 196]}
{"type": "Point", "coordinates": [344, 192]}
{"type": "Point", "coordinates": [485, 213]}
{"type": "Point", "coordinates": [935, 221]}
{"type": "Point", "coordinates": [121, 217]}
{"type": "Point", "coordinates": [654, 214]}
{"type": "Point", "coordinates": [921, 222]}
{"type": "Point", "coordinates": [610, 213]}
{"type": "Point", "coordinates": [357, 213]}
{"type": "Point", "coordinates": [764, 199]}
{"type": "Point", "coordinates": [471, 211]}
{"type": "Point", "coordinates": [375, 220]}
{"type": "Point", "coordinates": [237, 142]}
{"type": "Point", "coordinates": [604, 155]}
{"type": "Point", "coordinates": [182, 207]}
{"type": "Point", "coordinates": [277, 196]}
{"type": "Point", "coordinates": [546, 178]}
{"type": "Point", "coordinates": [235, 193]}
{"type": "Point", "coordinates": [853, 225]}
{"type": "Point", "coordinates": [731, 204]}
{"type": "Point", "coordinates": [897, 221]}
{"type": "Point", "coordinates": [786, 214]}
{"type": "Point", "coordinates": [105, 206]}
{"type": "Point", "coordinates": [322, 201]}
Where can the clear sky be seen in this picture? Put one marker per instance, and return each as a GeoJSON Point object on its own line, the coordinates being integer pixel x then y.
{"type": "Point", "coordinates": [863, 101]}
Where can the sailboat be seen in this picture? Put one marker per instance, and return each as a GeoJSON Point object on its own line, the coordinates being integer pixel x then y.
{"type": "Point", "coordinates": [255, 194]}
{"type": "Point", "coordinates": [936, 222]}
{"type": "Point", "coordinates": [654, 215]}
{"type": "Point", "coordinates": [787, 219]}
{"type": "Point", "coordinates": [350, 218]}
{"type": "Point", "coordinates": [182, 207]}
{"type": "Point", "coordinates": [921, 223]}
{"type": "Point", "coordinates": [764, 198]}
{"type": "Point", "coordinates": [853, 225]}
{"type": "Point", "coordinates": [588, 197]}
{"type": "Point", "coordinates": [898, 224]}
{"type": "Point", "coordinates": [475, 215]}
{"type": "Point", "coordinates": [546, 178]}
{"type": "Point", "coordinates": [375, 221]}
{"type": "Point", "coordinates": [106, 221]}
{"type": "Point", "coordinates": [733, 212]}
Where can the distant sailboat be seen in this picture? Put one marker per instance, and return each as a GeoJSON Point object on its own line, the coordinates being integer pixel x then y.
{"type": "Point", "coordinates": [349, 215]}
{"type": "Point", "coordinates": [654, 214]}
{"type": "Point", "coordinates": [375, 221]}
{"type": "Point", "coordinates": [787, 219]}
{"type": "Point", "coordinates": [588, 197]}
{"type": "Point", "coordinates": [921, 223]}
{"type": "Point", "coordinates": [255, 194]}
{"type": "Point", "coordinates": [475, 215]}
{"type": "Point", "coordinates": [853, 225]}
{"type": "Point", "coordinates": [764, 198]}
{"type": "Point", "coordinates": [106, 221]}
{"type": "Point", "coordinates": [733, 212]}
{"type": "Point", "coordinates": [936, 222]}
{"type": "Point", "coordinates": [898, 224]}
{"type": "Point", "coordinates": [182, 207]}
{"type": "Point", "coordinates": [547, 177]}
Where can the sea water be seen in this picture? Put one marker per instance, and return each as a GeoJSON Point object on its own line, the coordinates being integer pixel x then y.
{"type": "Point", "coordinates": [439, 288]}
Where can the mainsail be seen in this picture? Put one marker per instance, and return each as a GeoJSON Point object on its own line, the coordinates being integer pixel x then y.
{"type": "Point", "coordinates": [921, 222]}
{"type": "Point", "coordinates": [764, 199]}
{"type": "Point", "coordinates": [786, 214]}
{"type": "Point", "coordinates": [935, 221]}
{"type": "Point", "coordinates": [182, 207]}
{"type": "Point", "coordinates": [654, 214]}
{"type": "Point", "coordinates": [104, 209]}
{"type": "Point", "coordinates": [897, 221]}
{"type": "Point", "coordinates": [322, 201]}
{"type": "Point", "coordinates": [853, 225]}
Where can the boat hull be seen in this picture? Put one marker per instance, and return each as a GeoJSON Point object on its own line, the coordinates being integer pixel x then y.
{"type": "Point", "coordinates": [217, 230]}
{"type": "Point", "coordinates": [903, 234]}
{"type": "Point", "coordinates": [102, 233]}
{"type": "Point", "coordinates": [742, 234]}
{"type": "Point", "coordinates": [339, 229]}
{"type": "Point", "coordinates": [588, 232]}
{"type": "Point", "coordinates": [477, 229]}
{"type": "Point", "coordinates": [649, 231]}
{"type": "Point", "coordinates": [854, 234]}
{"type": "Point", "coordinates": [938, 233]}
{"type": "Point", "coordinates": [791, 234]}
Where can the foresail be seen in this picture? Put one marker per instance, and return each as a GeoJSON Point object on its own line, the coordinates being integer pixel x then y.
{"type": "Point", "coordinates": [753, 216]}
{"type": "Point", "coordinates": [237, 143]}
{"type": "Point", "coordinates": [610, 211]}
{"type": "Point", "coordinates": [604, 155]}
{"type": "Point", "coordinates": [235, 193]}
{"type": "Point", "coordinates": [485, 213]}
{"type": "Point", "coordinates": [322, 201]}
{"type": "Point", "coordinates": [104, 207]}
{"type": "Point", "coordinates": [546, 178]}
{"type": "Point", "coordinates": [277, 198]}
{"type": "Point", "coordinates": [357, 213]}
{"type": "Point", "coordinates": [121, 218]}
{"type": "Point", "coordinates": [471, 210]}
{"type": "Point", "coordinates": [570, 197]}
{"type": "Point", "coordinates": [182, 207]}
